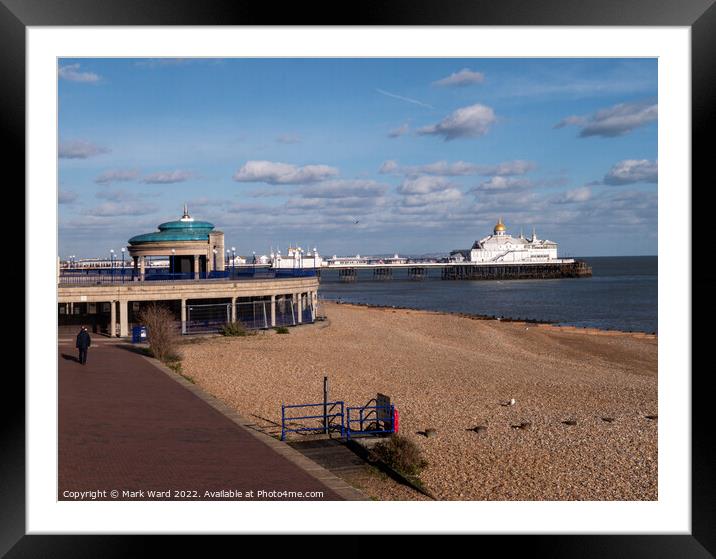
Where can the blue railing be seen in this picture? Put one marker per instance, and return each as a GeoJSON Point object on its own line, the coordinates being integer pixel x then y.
{"type": "Point", "coordinates": [122, 275]}
{"type": "Point", "coordinates": [97, 276]}
{"type": "Point", "coordinates": [371, 420]}
{"type": "Point", "coordinates": [328, 419]}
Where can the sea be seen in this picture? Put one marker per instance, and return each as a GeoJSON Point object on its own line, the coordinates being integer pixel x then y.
{"type": "Point", "coordinates": [620, 295]}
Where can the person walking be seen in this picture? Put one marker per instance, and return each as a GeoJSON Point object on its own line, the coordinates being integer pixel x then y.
{"type": "Point", "coordinates": [83, 342]}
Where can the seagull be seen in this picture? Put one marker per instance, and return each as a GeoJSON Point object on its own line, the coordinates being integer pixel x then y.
{"type": "Point", "coordinates": [355, 221]}
{"type": "Point", "coordinates": [508, 403]}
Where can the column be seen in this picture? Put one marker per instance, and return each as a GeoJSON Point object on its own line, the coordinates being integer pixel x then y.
{"type": "Point", "coordinates": [123, 318]}
{"type": "Point", "coordinates": [112, 319]}
{"type": "Point", "coordinates": [273, 311]}
{"type": "Point", "coordinates": [299, 306]}
{"type": "Point", "coordinates": [141, 268]}
{"type": "Point", "coordinates": [314, 304]}
{"type": "Point", "coordinates": [196, 266]}
{"type": "Point", "coordinates": [233, 309]}
{"type": "Point", "coordinates": [183, 316]}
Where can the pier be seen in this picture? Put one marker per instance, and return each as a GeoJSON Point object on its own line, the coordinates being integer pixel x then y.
{"type": "Point", "coordinates": [564, 268]}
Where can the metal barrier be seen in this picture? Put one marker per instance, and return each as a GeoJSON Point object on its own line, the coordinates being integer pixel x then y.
{"type": "Point", "coordinates": [328, 419]}
{"type": "Point", "coordinates": [285, 312]}
{"type": "Point", "coordinates": [253, 315]}
{"type": "Point", "coordinates": [376, 420]}
{"type": "Point", "coordinates": [207, 318]}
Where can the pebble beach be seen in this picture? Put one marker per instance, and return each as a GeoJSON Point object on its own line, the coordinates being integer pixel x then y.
{"type": "Point", "coordinates": [583, 425]}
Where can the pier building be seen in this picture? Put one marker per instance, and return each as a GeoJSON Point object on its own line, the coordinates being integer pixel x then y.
{"type": "Point", "coordinates": [202, 286]}
{"type": "Point", "coordinates": [503, 247]}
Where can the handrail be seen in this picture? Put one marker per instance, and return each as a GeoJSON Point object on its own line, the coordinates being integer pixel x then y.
{"type": "Point", "coordinates": [327, 416]}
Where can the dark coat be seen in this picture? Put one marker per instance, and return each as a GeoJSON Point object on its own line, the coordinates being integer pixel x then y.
{"type": "Point", "coordinates": [83, 340]}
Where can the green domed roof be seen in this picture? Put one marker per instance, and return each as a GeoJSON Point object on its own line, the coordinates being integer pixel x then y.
{"type": "Point", "coordinates": [184, 229]}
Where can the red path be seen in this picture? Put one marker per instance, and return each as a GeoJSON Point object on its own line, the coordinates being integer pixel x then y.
{"type": "Point", "coordinates": [125, 425]}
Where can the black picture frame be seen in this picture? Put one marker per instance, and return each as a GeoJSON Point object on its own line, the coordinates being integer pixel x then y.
{"type": "Point", "coordinates": [698, 15]}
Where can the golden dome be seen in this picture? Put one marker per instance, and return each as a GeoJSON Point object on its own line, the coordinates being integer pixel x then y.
{"type": "Point", "coordinates": [500, 226]}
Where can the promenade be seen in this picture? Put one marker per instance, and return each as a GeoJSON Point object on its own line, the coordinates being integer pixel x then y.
{"type": "Point", "coordinates": [125, 425]}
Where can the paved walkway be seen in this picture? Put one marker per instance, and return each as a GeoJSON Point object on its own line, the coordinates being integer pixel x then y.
{"type": "Point", "coordinates": [126, 425]}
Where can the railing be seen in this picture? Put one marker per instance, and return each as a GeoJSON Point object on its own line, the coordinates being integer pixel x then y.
{"type": "Point", "coordinates": [96, 276]}
{"type": "Point", "coordinates": [328, 419]}
{"type": "Point", "coordinates": [371, 420]}
{"type": "Point", "coordinates": [123, 275]}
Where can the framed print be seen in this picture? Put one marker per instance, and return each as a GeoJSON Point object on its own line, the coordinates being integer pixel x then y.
{"type": "Point", "coordinates": [295, 272]}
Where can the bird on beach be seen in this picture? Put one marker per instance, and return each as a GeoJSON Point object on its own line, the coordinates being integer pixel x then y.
{"type": "Point", "coordinates": [510, 402]}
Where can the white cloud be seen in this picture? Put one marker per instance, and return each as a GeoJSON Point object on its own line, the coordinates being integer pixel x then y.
{"type": "Point", "coordinates": [632, 171]}
{"type": "Point", "coordinates": [288, 139]}
{"type": "Point", "coordinates": [435, 197]}
{"type": "Point", "coordinates": [117, 175]}
{"type": "Point", "coordinates": [576, 195]}
{"type": "Point", "coordinates": [168, 177]}
{"type": "Point", "coordinates": [344, 189]}
{"type": "Point", "coordinates": [66, 197]}
{"type": "Point", "coordinates": [462, 78]}
{"type": "Point", "coordinates": [467, 122]}
{"type": "Point", "coordinates": [283, 173]}
{"type": "Point", "coordinates": [423, 185]}
{"type": "Point", "coordinates": [117, 195]}
{"type": "Point", "coordinates": [79, 149]}
{"type": "Point", "coordinates": [400, 131]}
{"type": "Point", "coordinates": [502, 183]}
{"type": "Point", "coordinates": [72, 73]}
{"type": "Point", "coordinates": [350, 204]}
{"type": "Point", "coordinates": [459, 168]}
{"type": "Point", "coordinates": [613, 121]}
{"type": "Point", "coordinates": [113, 209]}
{"type": "Point", "coordinates": [389, 167]}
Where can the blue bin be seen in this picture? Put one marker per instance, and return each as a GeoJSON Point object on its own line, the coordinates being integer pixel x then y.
{"type": "Point", "coordinates": [139, 334]}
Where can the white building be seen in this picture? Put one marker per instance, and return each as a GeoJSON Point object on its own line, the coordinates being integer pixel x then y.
{"type": "Point", "coordinates": [296, 257]}
{"type": "Point", "coordinates": [501, 247]}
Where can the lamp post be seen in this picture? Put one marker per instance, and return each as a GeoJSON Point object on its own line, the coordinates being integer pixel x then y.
{"type": "Point", "coordinates": [233, 261]}
{"type": "Point", "coordinates": [214, 251]}
{"type": "Point", "coordinates": [227, 258]}
{"type": "Point", "coordinates": [123, 263]}
{"type": "Point", "coordinates": [171, 264]}
{"type": "Point", "coordinates": [111, 263]}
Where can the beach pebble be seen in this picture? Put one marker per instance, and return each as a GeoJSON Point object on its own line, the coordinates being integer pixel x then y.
{"type": "Point", "coordinates": [453, 372]}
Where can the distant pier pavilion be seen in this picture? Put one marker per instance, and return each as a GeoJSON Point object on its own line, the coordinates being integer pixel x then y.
{"type": "Point", "coordinates": [184, 265]}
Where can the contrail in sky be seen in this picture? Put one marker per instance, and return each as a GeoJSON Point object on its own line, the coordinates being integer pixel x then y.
{"type": "Point", "coordinates": [406, 99]}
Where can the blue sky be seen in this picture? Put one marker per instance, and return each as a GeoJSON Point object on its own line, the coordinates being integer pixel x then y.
{"type": "Point", "coordinates": [360, 155]}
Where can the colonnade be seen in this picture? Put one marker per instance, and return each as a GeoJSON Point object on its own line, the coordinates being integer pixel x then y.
{"type": "Point", "coordinates": [303, 300]}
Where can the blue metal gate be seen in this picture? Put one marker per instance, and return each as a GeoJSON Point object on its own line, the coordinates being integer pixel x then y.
{"type": "Point", "coordinates": [332, 419]}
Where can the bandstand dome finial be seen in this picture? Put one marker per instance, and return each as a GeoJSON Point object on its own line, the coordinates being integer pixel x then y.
{"type": "Point", "coordinates": [186, 216]}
